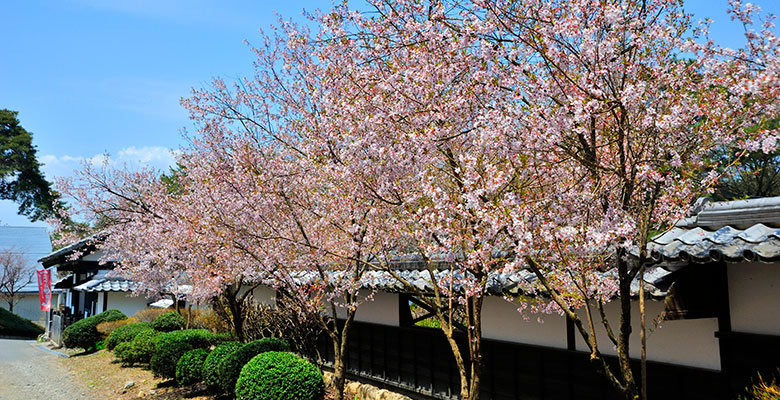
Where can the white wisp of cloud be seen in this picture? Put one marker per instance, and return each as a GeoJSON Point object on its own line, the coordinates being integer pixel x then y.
{"type": "Point", "coordinates": [158, 157]}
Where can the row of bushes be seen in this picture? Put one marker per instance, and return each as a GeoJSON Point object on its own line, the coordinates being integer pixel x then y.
{"type": "Point", "coordinates": [84, 333]}
{"type": "Point", "coordinates": [261, 366]}
{"type": "Point", "coordinates": [261, 369]}
{"type": "Point", "coordinates": [117, 327]}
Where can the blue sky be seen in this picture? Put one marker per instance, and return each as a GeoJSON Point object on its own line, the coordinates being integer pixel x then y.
{"type": "Point", "coordinates": [90, 77]}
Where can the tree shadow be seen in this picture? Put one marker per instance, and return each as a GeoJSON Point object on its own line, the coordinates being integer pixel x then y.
{"type": "Point", "coordinates": [184, 392]}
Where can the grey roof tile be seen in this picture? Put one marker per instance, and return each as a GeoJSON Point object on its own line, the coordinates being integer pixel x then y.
{"type": "Point", "coordinates": [499, 283]}
{"type": "Point", "coordinates": [698, 245]}
{"type": "Point", "coordinates": [107, 285]}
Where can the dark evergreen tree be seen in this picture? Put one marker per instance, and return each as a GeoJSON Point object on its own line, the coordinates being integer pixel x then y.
{"type": "Point", "coordinates": [756, 174]}
{"type": "Point", "coordinates": [21, 179]}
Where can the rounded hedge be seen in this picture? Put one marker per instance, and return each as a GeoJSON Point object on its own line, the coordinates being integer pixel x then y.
{"type": "Point", "coordinates": [84, 334]}
{"type": "Point", "coordinates": [120, 351]}
{"type": "Point", "coordinates": [169, 322]}
{"type": "Point", "coordinates": [230, 367]}
{"type": "Point", "coordinates": [139, 350]}
{"type": "Point", "coordinates": [172, 345]}
{"type": "Point", "coordinates": [210, 370]}
{"type": "Point", "coordinates": [189, 366]}
{"type": "Point", "coordinates": [125, 333]}
{"type": "Point", "coordinates": [280, 376]}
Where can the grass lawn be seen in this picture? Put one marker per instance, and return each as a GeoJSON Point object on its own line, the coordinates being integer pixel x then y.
{"type": "Point", "coordinates": [14, 325]}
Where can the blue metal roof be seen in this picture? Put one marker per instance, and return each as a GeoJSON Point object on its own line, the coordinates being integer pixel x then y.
{"type": "Point", "coordinates": [30, 242]}
{"type": "Point", "coordinates": [33, 242]}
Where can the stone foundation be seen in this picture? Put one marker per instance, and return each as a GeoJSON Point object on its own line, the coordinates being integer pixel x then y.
{"type": "Point", "coordinates": [364, 391]}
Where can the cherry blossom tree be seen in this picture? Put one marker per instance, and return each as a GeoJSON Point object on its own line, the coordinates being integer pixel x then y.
{"type": "Point", "coordinates": [139, 220]}
{"type": "Point", "coordinates": [389, 167]}
{"type": "Point", "coordinates": [263, 187]}
{"type": "Point", "coordinates": [485, 137]}
{"type": "Point", "coordinates": [619, 105]}
{"type": "Point", "coordinates": [560, 132]}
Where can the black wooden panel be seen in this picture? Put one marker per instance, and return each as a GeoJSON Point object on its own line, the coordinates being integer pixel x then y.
{"type": "Point", "coordinates": [392, 355]}
{"type": "Point", "coordinates": [420, 359]}
{"type": "Point", "coordinates": [747, 355]}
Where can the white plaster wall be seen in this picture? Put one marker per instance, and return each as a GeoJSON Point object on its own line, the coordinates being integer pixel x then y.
{"type": "Point", "coordinates": [125, 303]}
{"type": "Point", "coordinates": [684, 342]}
{"type": "Point", "coordinates": [383, 309]}
{"type": "Point", "coordinates": [754, 297]}
{"type": "Point", "coordinates": [502, 321]}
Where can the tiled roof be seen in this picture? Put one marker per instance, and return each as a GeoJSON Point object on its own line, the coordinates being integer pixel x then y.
{"type": "Point", "coordinates": [756, 243]}
{"type": "Point", "coordinates": [499, 284]}
{"type": "Point", "coordinates": [733, 231]}
{"type": "Point", "coordinates": [104, 284]}
{"type": "Point", "coordinates": [744, 230]}
{"type": "Point", "coordinates": [59, 255]}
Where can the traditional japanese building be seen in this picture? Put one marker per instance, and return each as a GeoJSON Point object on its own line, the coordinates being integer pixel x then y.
{"type": "Point", "coordinates": [715, 277]}
{"type": "Point", "coordinates": [83, 286]}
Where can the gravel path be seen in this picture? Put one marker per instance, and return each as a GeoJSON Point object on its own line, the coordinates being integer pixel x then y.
{"type": "Point", "coordinates": [29, 371]}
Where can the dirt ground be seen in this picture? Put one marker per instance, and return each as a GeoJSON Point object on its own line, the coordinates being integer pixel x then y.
{"type": "Point", "coordinates": [30, 371]}
{"type": "Point", "coordinates": [106, 379]}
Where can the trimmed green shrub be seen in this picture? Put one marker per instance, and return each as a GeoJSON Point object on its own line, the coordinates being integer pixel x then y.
{"type": "Point", "coordinates": [172, 345]}
{"type": "Point", "coordinates": [120, 351]}
{"type": "Point", "coordinates": [84, 333]}
{"type": "Point", "coordinates": [169, 322]}
{"type": "Point", "coordinates": [125, 333]}
{"type": "Point", "coordinates": [280, 376]}
{"type": "Point", "coordinates": [110, 315]}
{"type": "Point", "coordinates": [189, 366]}
{"type": "Point", "coordinates": [210, 370]}
{"type": "Point", "coordinates": [139, 350]}
{"type": "Point", "coordinates": [230, 367]}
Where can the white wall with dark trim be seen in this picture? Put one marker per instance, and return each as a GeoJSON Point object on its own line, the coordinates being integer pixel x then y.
{"type": "Point", "coordinates": [689, 342]}
{"type": "Point", "coordinates": [502, 321]}
{"type": "Point", "coordinates": [382, 309]}
{"type": "Point", "coordinates": [125, 303]}
{"type": "Point", "coordinates": [754, 297]}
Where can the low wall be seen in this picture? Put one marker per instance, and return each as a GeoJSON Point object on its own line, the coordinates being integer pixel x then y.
{"type": "Point", "coordinates": [364, 391]}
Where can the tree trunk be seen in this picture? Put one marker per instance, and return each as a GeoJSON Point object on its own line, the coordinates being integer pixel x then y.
{"type": "Point", "coordinates": [470, 379]}
{"type": "Point", "coordinates": [236, 314]}
{"type": "Point", "coordinates": [189, 316]}
{"type": "Point", "coordinates": [642, 333]}
{"type": "Point", "coordinates": [459, 362]}
{"type": "Point", "coordinates": [475, 344]}
{"type": "Point", "coordinates": [629, 388]}
{"type": "Point", "coordinates": [340, 346]}
{"type": "Point", "coordinates": [339, 372]}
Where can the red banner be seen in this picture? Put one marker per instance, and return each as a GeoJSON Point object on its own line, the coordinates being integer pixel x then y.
{"type": "Point", "coordinates": [44, 288]}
